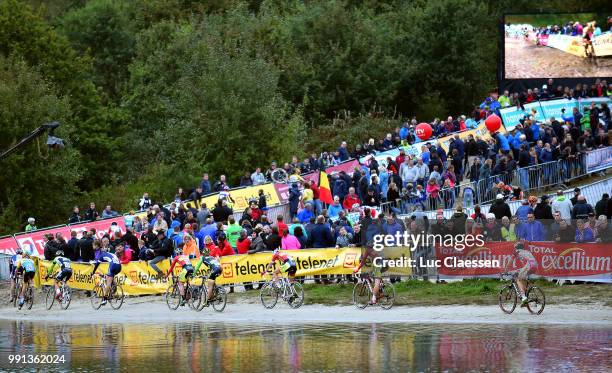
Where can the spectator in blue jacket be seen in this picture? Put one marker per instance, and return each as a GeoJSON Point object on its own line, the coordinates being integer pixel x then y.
{"type": "Point", "coordinates": [532, 230]}
{"type": "Point", "coordinates": [344, 154]}
{"type": "Point", "coordinates": [391, 226]}
{"type": "Point", "coordinates": [205, 185]}
{"type": "Point", "coordinates": [583, 232]}
{"type": "Point", "coordinates": [502, 142]}
{"type": "Point", "coordinates": [524, 210]}
{"type": "Point", "coordinates": [306, 213]}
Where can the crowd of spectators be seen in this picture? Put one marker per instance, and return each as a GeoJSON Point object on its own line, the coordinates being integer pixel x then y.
{"type": "Point", "coordinates": [433, 179]}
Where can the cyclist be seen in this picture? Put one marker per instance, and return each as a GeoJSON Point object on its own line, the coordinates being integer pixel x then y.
{"type": "Point", "coordinates": [13, 271]}
{"type": "Point", "coordinates": [529, 265]}
{"type": "Point", "coordinates": [587, 39]}
{"type": "Point", "coordinates": [114, 267]}
{"type": "Point", "coordinates": [64, 273]}
{"type": "Point", "coordinates": [25, 264]}
{"type": "Point", "coordinates": [376, 271]}
{"type": "Point", "coordinates": [186, 273]}
{"type": "Point", "coordinates": [214, 269]}
{"type": "Point", "coordinates": [288, 265]}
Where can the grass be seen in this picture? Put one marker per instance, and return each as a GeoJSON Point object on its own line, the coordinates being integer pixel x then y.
{"type": "Point", "coordinates": [471, 291]}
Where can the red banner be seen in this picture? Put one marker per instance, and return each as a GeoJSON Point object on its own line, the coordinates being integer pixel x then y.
{"type": "Point", "coordinates": [590, 261]}
{"type": "Point", "coordinates": [8, 245]}
{"type": "Point", "coordinates": [35, 241]}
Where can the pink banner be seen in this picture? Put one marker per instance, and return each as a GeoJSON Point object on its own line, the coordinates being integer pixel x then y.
{"type": "Point", "coordinates": [35, 241]}
{"type": "Point", "coordinates": [8, 245]}
{"type": "Point", "coordinates": [348, 167]}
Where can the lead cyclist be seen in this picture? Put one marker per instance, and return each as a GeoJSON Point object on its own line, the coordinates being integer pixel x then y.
{"type": "Point", "coordinates": [522, 274]}
{"type": "Point", "coordinates": [376, 271]}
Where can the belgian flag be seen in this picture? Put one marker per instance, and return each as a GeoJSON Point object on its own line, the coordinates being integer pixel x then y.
{"type": "Point", "coordinates": [325, 194]}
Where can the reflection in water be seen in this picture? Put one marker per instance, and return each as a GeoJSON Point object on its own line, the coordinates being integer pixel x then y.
{"type": "Point", "coordinates": [312, 347]}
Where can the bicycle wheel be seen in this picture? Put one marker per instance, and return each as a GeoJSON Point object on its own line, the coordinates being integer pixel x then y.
{"type": "Point", "coordinates": [220, 299]}
{"type": "Point", "coordinates": [535, 300]}
{"type": "Point", "coordinates": [388, 296]}
{"type": "Point", "coordinates": [203, 295]}
{"type": "Point", "coordinates": [268, 295]}
{"type": "Point", "coordinates": [507, 299]}
{"type": "Point", "coordinates": [66, 297]}
{"type": "Point", "coordinates": [50, 298]}
{"type": "Point", "coordinates": [16, 292]}
{"type": "Point", "coordinates": [97, 295]}
{"type": "Point", "coordinates": [29, 297]}
{"type": "Point", "coordinates": [173, 297]}
{"type": "Point", "coordinates": [116, 297]}
{"type": "Point", "coordinates": [361, 295]}
{"type": "Point", "coordinates": [194, 297]}
{"type": "Point", "coordinates": [297, 295]}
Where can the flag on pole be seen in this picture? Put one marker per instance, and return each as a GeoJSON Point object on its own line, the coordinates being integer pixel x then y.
{"type": "Point", "coordinates": [325, 194]}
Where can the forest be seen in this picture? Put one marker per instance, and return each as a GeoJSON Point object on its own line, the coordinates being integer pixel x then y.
{"type": "Point", "coordinates": [152, 93]}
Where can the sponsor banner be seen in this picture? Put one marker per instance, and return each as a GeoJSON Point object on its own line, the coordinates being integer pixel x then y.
{"type": "Point", "coordinates": [241, 197]}
{"type": "Point", "coordinates": [481, 130]}
{"type": "Point", "coordinates": [139, 278]}
{"type": "Point", "coordinates": [603, 44]}
{"type": "Point", "coordinates": [35, 241]}
{"type": "Point", "coordinates": [599, 159]}
{"type": "Point", "coordinates": [282, 189]}
{"type": "Point", "coordinates": [567, 43]}
{"type": "Point", "coordinates": [586, 102]}
{"type": "Point", "coordinates": [8, 245]}
{"type": "Point", "coordinates": [381, 157]}
{"type": "Point", "coordinates": [348, 167]}
{"type": "Point", "coordinates": [554, 260]}
{"type": "Point", "coordinates": [553, 108]}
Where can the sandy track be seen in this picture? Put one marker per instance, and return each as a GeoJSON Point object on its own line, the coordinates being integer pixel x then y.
{"type": "Point", "coordinates": [144, 310]}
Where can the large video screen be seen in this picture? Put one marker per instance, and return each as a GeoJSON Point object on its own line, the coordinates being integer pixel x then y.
{"type": "Point", "coordinates": [565, 45]}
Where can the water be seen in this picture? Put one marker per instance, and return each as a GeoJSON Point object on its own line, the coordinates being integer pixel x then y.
{"type": "Point", "coordinates": [309, 348]}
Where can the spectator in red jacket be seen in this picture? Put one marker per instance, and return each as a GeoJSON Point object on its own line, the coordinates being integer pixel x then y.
{"type": "Point", "coordinates": [280, 224]}
{"type": "Point", "coordinates": [351, 199]}
{"type": "Point", "coordinates": [243, 243]}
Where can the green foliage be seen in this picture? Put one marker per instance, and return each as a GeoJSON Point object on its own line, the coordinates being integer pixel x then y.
{"type": "Point", "coordinates": [35, 179]}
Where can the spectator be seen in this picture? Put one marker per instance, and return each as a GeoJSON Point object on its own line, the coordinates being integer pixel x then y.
{"type": "Point", "coordinates": [574, 199]}
{"type": "Point", "coordinates": [280, 225]}
{"type": "Point", "coordinates": [290, 242]}
{"type": "Point", "coordinates": [601, 207]}
{"type": "Point", "coordinates": [334, 209]}
{"type": "Point", "coordinates": [190, 247]}
{"type": "Point", "coordinates": [508, 229]}
{"type": "Point", "coordinates": [500, 208]}
{"type": "Point", "coordinates": [220, 184]}
{"type": "Point", "coordinates": [131, 242]}
{"type": "Point", "coordinates": [543, 211]}
{"type": "Point", "coordinates": [257, 242]}
{"type": "Point", "coordinates": [108, 213]}
{"type": "Point", "coordinates": [344, 155]}
{"type": "Point", "coordinates": [565, 233]}
{"type": "Point", "coordinates": [75, 217]}
{"type": "Point", "coordinates": [524, 210]}
{"type": "Point", "coordinates": [562, 205]}
{"type": "Point", "coordinates": [161, 249]}
{"type": "Point", "coordinates": [202, 215]}
{"type": "Point", "coordinates": [273, 239]}
{"type": "Point", "coordinates": [124, 254]}
{"type": "Point", "coordinates": [91, 214]}
{"type": "Point", "coordinates": [50, 247]}
{"type": "Point", "coordinates": [344, 239]}
{"type": "Point", "coordinates": [72, 247]}
{"type": "Point", "coordinates": [582, 209]}
{"type": "Point", "coordinates": [221, 212]}
{"type": "Point", "coordinates": [603, 231]}
{"type": "Point", "coordinates": [85, 247]}
{"type": "Point", "coordinates": [294, 199]}
{"type": "Point", "coordinates": [532, 230]}
{"type": "Point", "coordinates": [351, 199]}
{"type": "Point", "coordinates": [196, 195]}
{"type": "Point", "coordinates": [31, 225]}
{"type": "Point", "coordinates": [145, 202]}
{"type": "Point", "coordinates": [243, 243]}
{"type": "Point", "coordinates": [321, 236]}
{"type": "Point", "coordinates": [306, 214]}
{"type": "Point", "coordinates": [233, 232]}
{"type": "Point", "coordinates": [584, 233]}
{"type": "Point", "coordinates": [223, 246]}
{"type": "Point", "coordinates": [492, 231]}
{"type": "Point", "coordinates": [205, 185]}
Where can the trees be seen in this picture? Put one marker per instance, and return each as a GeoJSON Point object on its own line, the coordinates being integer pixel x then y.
{"type": "Point", "coordinates": [33, 180]}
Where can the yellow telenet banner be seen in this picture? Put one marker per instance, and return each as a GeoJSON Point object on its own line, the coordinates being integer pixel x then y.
{"type": "Point", "coordinates": [139, 278]}
{"type": "Point", "coordinates": [241, 197]}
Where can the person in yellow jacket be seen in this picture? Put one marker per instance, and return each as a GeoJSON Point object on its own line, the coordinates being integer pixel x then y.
{"type": "Point", "coordinates": [508, 229]}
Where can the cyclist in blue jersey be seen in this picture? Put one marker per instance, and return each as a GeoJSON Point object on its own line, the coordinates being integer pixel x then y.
{"type": "Point", "coordinates": [214, 269]}
{"type": "Point", "coordinates": [13, 270]}
{"type": "Point", "coordinates": [26, 264]}
{"type": "Point", "coordinates": [114, 267]}
{"type": "Point", "coordinates": [64, 273]}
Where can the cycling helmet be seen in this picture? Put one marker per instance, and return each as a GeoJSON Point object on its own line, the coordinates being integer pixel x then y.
{"type": "Point", "coordinates": [276, 251]}
{"type": "Point", "coordinates": [59, 253]}
{"type": "Point", "coordinates": [19, 251]}
{"type": "Point", "coordinates": [26, 254]}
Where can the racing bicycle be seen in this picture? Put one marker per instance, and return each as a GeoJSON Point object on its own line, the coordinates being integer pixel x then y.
{"type": "Point", "coordinates": [28, 295]}
{"type": "Point", "coordinates": [115, 297]}
{"type": "Point", "coordinates": [509, 296]}
{"type": "Point", "coordinates": [364, 288]}
{"type": "Point", "coordinates": [291, 292]}
{"type": "Point", "coordinates": [173, 294]}
{"type": "Point", "coordinates": [199, 295]}
{"type": "Point", "coordinates": [15, 294]}
{"type": "Point", "coordinates": [64, 299]}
